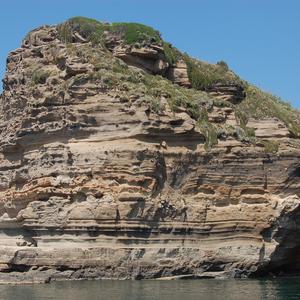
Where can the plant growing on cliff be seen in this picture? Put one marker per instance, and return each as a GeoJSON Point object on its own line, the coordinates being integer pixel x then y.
{"type": "Point", "coordinates": [90, 29]}
{"type": "Point", "coordinates": [39, 76]}
{"type": "Point", "coordinates": [155, 105]}
{"type": "Point", "coordinates": [209, 130]}
{"type": "Point", "coordinates": [116, 75]}
{"type": "Point", "coordinates": [203, 75]}
{"type": "Point", "coordinates": [261, 105]}
{"type": "Point", "coordinates": [223, 65]}
{"type": "Point", "coordinates": [171, 53]}
{"type": "Point", "coordinates": [270, 146]}
{"type": "Point", "coordinates": [199, 80]}
{"type": "Point", "coordinates": [210, 133]}
{"type": "Point", "coordinates": [178, 97]}
{"type": "Point", "coordinates": [93, 31]}
{"type": "Point", "coordinates": [135, 32]}
{"type": "Point", "coordinates": [247, 133]}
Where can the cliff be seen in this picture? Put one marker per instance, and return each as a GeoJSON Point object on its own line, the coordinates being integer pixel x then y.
{"type": "Point", "coordinates": [123, 158]}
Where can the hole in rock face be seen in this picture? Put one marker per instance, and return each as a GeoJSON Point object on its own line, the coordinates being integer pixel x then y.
{"type": "Point", "coordinates": [295, 173]}
{"type": "Point", "coordinates": [207, 191]}
{"type": "Point", "coordinates": [252, 191]}
{"type": "Point", "coordinates": [79, 197]}
{"type": "Point", "coordinates": [17, 268]}
{"type": "Point", "coordinates": [176, 122]}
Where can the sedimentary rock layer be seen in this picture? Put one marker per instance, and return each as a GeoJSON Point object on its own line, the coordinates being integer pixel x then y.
{"type": "Point", "coordinates": [95, 186]}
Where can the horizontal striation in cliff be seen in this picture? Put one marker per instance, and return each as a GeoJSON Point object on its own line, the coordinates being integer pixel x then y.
{"type": "Point", "coordinates": [123, 158]}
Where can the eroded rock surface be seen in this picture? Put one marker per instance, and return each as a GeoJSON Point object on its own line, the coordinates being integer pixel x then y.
{"type": "Point", "coordinates": [95, 185]}
{"type": "Point", "coordinates": [230, 92]}
{"type": "Point", "coordinates": [179, 74]}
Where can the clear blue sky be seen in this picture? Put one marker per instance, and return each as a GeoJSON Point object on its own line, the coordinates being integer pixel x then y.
{"type": "Point", "coordinates": [259, 39]}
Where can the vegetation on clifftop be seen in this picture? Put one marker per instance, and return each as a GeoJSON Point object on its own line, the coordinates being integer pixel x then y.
{"type": "Point", "coordinates": [261, 105]}
{"type": "Point", "coordinates": [93, 31]}
{"type": "Point", "coordinates": [135, 33]}
{"type": "Point", "coordinates": [203, 75]}
{"type": "Point", "coordinates": [90, 29]}
{"type": "Point", "coordinates": [156, 91]}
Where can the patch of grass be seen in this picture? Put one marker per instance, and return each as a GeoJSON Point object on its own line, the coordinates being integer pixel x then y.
{"type": "Point", "coordinates": [172, 54]}
{"type": "Point", "coordinates": [90, 29]}
{"type": "Point", "coordinates": [270, 146]}
{"type": "Point", "coordinates": [261, 105]}
{"type": "Point", "coordinates": [247, 133]}
{"type": "Point", "coordinates": [295, 143]}
{"type": "Point", "coordinates": [135, 86]}
{"type": "Point", "coordinates": [136, 33]}
{"type": "Point", "coordinates": [154, 104]}
{"type": "Point", "coordinates": [93, 31]}
{"type": "Point", "coordinates": [224, 131]}
{"type": "Point", "coordinates": [210, 131]}
{"type": "Point", "coordinates": [203, 75]}
{"type": "Point", "coordinates": [119, 66]}
{"type": "Point", "coordinates": [65, 32]}
{"type": "Point", "coordinates": [199, 79]}
{"type": "Point", "coordinates": [39, 76]}
{"type": "Point", "coordinates": [178, 97]}
{"type": "Point", "coordinates": [241, 118]}
{"type": "Point", "coordinates": [250, 132]}
{"type": "Point", "coordinates": [97, 56]}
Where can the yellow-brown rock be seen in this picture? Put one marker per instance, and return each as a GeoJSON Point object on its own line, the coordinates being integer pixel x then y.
{"type": "Point", "coordinates": [99, 183]}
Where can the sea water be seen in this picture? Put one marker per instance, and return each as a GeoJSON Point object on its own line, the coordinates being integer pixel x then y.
{"type": "Point", "coordinates": [211, 289]}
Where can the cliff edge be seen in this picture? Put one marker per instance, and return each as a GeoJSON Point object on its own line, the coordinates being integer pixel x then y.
{"type": "Point", "coordinates": [123, 158]}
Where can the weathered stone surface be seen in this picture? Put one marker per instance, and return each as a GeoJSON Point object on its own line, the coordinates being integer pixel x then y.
{"type": "Point", "coordinates": [178, 74]}
{"type": "Point", "coordinates": [231, 92]}
{"type": "Point", "coordinates": [150, 58]}
{"type": "Point", "coordinates": [269, 128]}
{"type": "Point", "coordinates": [93, 186]}
{"type": "Point", "coordinates": [75, 67]}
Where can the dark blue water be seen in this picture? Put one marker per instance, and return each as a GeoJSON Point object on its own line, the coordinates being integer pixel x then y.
{"type": "Point", "coordinates": [288, 288]}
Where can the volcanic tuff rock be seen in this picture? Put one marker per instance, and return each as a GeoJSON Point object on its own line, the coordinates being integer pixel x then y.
{"type": "Point", "coordinates": [109, 170]}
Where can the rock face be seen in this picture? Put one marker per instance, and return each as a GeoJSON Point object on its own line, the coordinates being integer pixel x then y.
{"type": "Point", "coordinates": [95, 185]}
{"type": "Point", "coordinates": [229, 92]}
{"type": "Point", "coordinates": [150, 58]}
{"type": "Point", "coordinates": [179, 74]}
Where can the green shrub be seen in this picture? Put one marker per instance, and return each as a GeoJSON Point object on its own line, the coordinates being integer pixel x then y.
{"type": "Point", "coordinates": [136, 33]}
{"type": "Point", "coordinates": [155, 105]}
{"type": "Point", "coordinates": [250, 132]}
{"type": "Point", "coordinates": [39, 76]}
{"type": "Point", "coordinates": [199, 80]}
{"type": "Point", "coordinates": [93, 30]}
{"type": "Point", "coordinates": [119, 66]}
{"type": "Point", "coordinates": [270, 146]}
{"type": "Point", "coordinates": [133, 85]}
{"type": "Point", "coordinates": [295, 142]}
{"type": "Point", "coordinates": [90, 29]}
{"type": "Point", "coordinates": [223, 65]}
{"type": "Point", "coordinates": [241, 118]}
{"type": "Point", "coordinates": [203, 75]}
{"type": "Point", "coordinates": [65, 32]}
{"type": "Point", "coordinates": [261, 105]}
{"type": "Point", "coordinates": [171, 53]}
{"type": "Point", "coordinates": [210, 133]}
